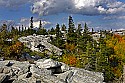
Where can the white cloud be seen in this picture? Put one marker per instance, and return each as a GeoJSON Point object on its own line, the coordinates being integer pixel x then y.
{"type": "Point", "coordinates": [36, 21]}
{"type": "Point", "coordinates": [9, 23]}
{"type": "Point", "coordinates": [83, 23]}
{"type": "Point", "coordinates": [13, 3]}
{"type": "Point", "coordinates": [84, 7]}
{"type": "Point", "coordinates": [122, 17]}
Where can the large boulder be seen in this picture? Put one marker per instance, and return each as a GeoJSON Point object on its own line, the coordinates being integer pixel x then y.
{"type": "Point", "coordinates": [47, 63]}
{"type": "Point", "coordinates": [76, 75]}
{"type": "Point", "coordinates": [51, 79]}
{"type": "Point", "coordinates": [21, 67]}
{"type": "Point", "coordinates": [45, 71]}
{"type": "Point", "coordinates": [38, 72]}
{"type": "Point", "coordinates": [4, 63]}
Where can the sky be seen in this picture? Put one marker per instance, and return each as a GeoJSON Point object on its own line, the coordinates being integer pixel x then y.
{"type": "Point", "coordinates": [98, 14]}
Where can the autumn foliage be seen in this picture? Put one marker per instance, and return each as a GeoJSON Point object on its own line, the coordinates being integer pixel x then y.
{"type": "Point", "coordinates": [70, 47]}
{"type": "Point", "coordinates": [117, 59]}
{"type": "Point", "coordinates": [15, 50]}
{"type": "Point", "coordinates": [70, 60]}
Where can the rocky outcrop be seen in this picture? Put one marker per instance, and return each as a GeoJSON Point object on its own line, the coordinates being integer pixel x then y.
{"type": "Point", "coordinates": [40, 43]}
{"type": "Point", "coordinates": [45, 71]}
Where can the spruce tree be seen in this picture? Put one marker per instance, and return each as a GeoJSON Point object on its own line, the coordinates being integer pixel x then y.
{"type": "Point", "coordinates": [63, 27]}
{"type": "Point", "coordinates": [19, 29]}
{"type": "Point", "coordinates": [22, 28]}
{"type": "Point", "coordinates": [40, 24]}
{"type": "Point", "coordinates": [3, 33]}
{"type": "Point", "coordinates": [79, 31]}
{"type": "Point", "coordinates": [71, 36]}
{"type": "Point", "coordinates": [52, 31]}
{"type": "Point", "coordinates": [31, 23]}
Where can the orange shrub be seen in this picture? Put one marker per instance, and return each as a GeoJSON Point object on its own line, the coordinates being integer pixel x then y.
{"type": "Point", "coordinates": [71, 60]}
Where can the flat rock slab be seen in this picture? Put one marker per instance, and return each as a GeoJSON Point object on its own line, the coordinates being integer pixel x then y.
{"type": "Point", "coordinates": [47, 63]}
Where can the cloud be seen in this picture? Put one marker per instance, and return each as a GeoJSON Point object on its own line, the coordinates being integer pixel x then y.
{"type": "Point", "coordinates": [9, 23]}
{"type": "Point", "coordinates": [36, 21]}
{"type": "Point", "coordinates": [83, 23]}
{"type": "Point", "coordinates": [84, 7]}
{"type": "Point", "coordinates": [114, 17]}
{"type": "Point", "coordinates": [14, 3]}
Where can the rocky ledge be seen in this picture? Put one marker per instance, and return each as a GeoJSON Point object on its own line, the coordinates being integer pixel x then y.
{"type": "Point", "coordinates": [45, 71]}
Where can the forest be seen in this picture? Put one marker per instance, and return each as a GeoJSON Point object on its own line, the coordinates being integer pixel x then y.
{"type": "Point", "coordinates": [106, 55]}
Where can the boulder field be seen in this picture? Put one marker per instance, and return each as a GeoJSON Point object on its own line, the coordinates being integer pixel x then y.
{"type": "Point", "coordinates": [45, 71]}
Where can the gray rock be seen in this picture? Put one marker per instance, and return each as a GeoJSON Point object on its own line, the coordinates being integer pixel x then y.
{"type": "Point", "coordinates": [3, 78]}
{"type": "Point", "coordinates": [46, 71]}
{"type": "Point", "coordinates": [20, 81]}
{"type": "Point", "coordinates": [6, 70]}
{"type": "Point", "coordinates": [77, 75]}
{"type": "Point", "coordinates": [27, 75]}
{"type": "Point", "coordinates": [1, 69]}
{"type": "Point", "coordinates": [47, 63]}
{"type": "Point", "coordinates": [64, 67]}
{"type": "Point", "coordinates": [51, 79]}
{"type": "Point", "coordinates": [85, 76]}
{"type": "Point", "coordinates": [64, 76]}
{"type": "Point", "coordinates": [21, 67]}
{"type": "Point", "coordinates": [4, 63]}
{"type": "Point", "coordinates": [38, 73]}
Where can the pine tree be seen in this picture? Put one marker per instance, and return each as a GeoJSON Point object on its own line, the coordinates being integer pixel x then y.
{"type": "Point", "coordinates": [25, 28]}
{"type": "Point", "coordinates": [19, 29]}
{"type": "Point", "coordinates": [86, 30]}
{"type": "Point", "coordinates": [40, 24]}
{"type": "Point", "coordinates": [3, 33]}
{"type": "Point", "coordinates": [78, 31]}
{"type": "Point", "coordinates": [58, 32]}
{"type": "Point", "coordinates": [71, 36]}
{"type": "Point", "coordinates": [22, 28]}
{"type": "Point", "coordinates": [52, 31]}
{"type": "Point", "coordinates": [71, 28]}
{"type": "Point", "coordinates": [92, 30]}
{"type": "Point", "coordinates": [31, 23]}
{"type": "Point", "coordinates": [42, 31]}
{"type": "Point", "coordinates": [63, 27]}
{"type": "Point", "coordinates": [84, 39]}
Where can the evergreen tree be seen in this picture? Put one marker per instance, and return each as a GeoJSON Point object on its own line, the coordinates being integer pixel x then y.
{"type": "Point", "coordinates": [52, 31]}
{"type": "Point", "coordinates": [92, 30]}
{"type": "Point", "coordinates": [40, 24]}
{"type": "Point", "coordinates": [19, 29]}
{"type": "Point", "coordinates": [25, 28]}
{"type": "Point", "coordinates": [22, 28]}
{"type": "Point", "coordinates": [31, 23]}
{"type": "Point", "coordinates": [78, 31]}
{"type": "Point", "coordinates": [63, 27]}
{"type": "Point", "coordinates": [102, 58]}
{"type": "Point", "coordinates": [42, 31]}
{"type": "Point", "coordinates": [71, 35]}
{"type": "Point", "coordinates": [84, 39]}
{"type": "Point", "coordinates": [3, 33]}
{"type": "Point", "coordinates": [58, 32]}
{"type": "Point", "coordinates": [71, 28]}
{"type": "Point", "coordinates": [58, 40]}
{"type": "Point", "coordinates": [86, 30]}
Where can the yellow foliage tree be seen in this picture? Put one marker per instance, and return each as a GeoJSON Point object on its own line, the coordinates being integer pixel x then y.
{"type": "Point", "coordinates": [117, 42]}
{"type": "Point", "coordinates": [15, 50]}
{"type": "Point", "coordinates": [71, 60]}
